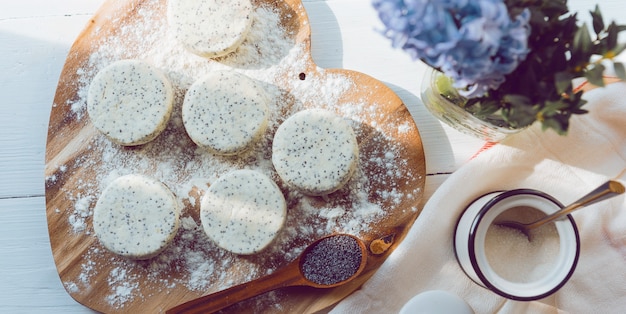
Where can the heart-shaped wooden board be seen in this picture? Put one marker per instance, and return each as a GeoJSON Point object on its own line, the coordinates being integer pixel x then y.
{"type": "Point", "coordinates": [378, 205]}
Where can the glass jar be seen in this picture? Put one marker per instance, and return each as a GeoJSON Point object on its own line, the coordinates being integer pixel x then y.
{"type": "Point", "coordinates": [447, 106]}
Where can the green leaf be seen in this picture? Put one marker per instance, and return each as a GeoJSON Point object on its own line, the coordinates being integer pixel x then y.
{"type": "Point", "coordinates": [487, 107]}
{"type": "Point", "coordinates": [567, 27]}
{"type": "Point", "coordinates": [598, 23]}
{"type": "Point", "coordinates": [594, 75]}
{"type": "Point", "coordinates": [620, 71]}
{"type": "Point", "coordinates": [552, 107]}
{"type": "Point", "coordinates": [576, 104]}
{"type": "Point", "coordinates": [582, 45]}
{"type": "Point", "coordinates": [446, 90]}
{"type": "Point", "coordinates": [517, 100]}
{"type": "Point", "coordinates": [578, 100]}
{"type": "Point", "coordinates": [612, 33]}
{"type": "Point", "coordinates": [558, 123]}
{"type": "Point", "coordinates": [563, 82]}
{"type": "Point", "coordinates": [619, 48]}
{"type": "Point", "coordinates": [521, 112]}
{"type": "Point", "coordinates": [579, 111]}
{"type": "Point", "coordinates": [553, 8]}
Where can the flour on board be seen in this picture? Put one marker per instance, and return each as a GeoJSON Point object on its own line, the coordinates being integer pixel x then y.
{"type": "Point", "coordinates": [270, 56]}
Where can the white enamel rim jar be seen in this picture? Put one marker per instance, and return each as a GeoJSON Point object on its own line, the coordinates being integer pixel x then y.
{"type": "Point", "coordinates": [469, 244]}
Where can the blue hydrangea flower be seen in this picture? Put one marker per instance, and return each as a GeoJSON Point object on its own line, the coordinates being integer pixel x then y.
{"type": "Point", "coordinates": [474, 42]}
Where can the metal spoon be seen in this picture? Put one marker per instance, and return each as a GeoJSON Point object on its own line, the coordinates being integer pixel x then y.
{"type": "Point", "coordinates": [605, 191]}
{"type": "Point", "coordinates": [316, 267]}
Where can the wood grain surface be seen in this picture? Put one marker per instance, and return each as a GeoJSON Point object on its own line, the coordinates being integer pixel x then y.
{"type": "Point", "coordinates": [70, 139]}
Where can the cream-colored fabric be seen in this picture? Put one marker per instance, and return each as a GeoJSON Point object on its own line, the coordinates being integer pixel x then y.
{"type": "Point", "coordinates": [566, 167]}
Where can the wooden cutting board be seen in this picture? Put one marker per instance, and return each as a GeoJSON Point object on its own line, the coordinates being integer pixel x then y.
{"type": "Point", "coordinates": [79, 161]}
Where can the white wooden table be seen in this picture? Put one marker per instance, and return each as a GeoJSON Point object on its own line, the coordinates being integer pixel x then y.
{"type": "Point", "coordinates": [35, 36]}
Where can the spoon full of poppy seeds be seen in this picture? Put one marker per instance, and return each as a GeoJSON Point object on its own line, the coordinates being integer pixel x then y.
{"type": "Point", "coordinates": [328, 262]}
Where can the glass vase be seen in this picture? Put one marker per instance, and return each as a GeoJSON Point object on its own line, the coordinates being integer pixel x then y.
{"type": "Point", "coordinates": [447, 105]}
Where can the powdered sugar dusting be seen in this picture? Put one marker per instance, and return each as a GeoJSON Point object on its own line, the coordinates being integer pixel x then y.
{"type": "Point", "coordinates": [122, 286]}
{"type": "Point", "coordinates": [271, 56]}
{"type": "Point", "coordinates": [81, 211]}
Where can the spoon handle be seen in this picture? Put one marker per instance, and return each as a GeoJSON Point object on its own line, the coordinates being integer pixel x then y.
{"type": "Point", "coordinates": [284, 277]}
{"type": "Point", "coordinates": [607, 190]}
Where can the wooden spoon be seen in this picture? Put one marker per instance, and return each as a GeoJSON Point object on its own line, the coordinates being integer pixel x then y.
{"type": "Point", "coordinates": [328, 262]}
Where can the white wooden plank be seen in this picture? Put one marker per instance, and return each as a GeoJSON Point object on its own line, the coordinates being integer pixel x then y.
{"type": "Point", "coordinates": [432, 184]}
{"type": "Point", "coordinates": [33, 52]}
{"type": "Point", "coordinates": [39, 8]}
{"type": "Point", "coordinates": [30, 283]}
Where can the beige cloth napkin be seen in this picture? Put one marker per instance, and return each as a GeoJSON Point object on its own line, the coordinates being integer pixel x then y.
{"type": "Point", "coordinates": [566, 167]}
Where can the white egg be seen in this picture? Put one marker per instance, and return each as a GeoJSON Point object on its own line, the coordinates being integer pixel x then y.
{"type": "Point", "coordinates": [436, 302]}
